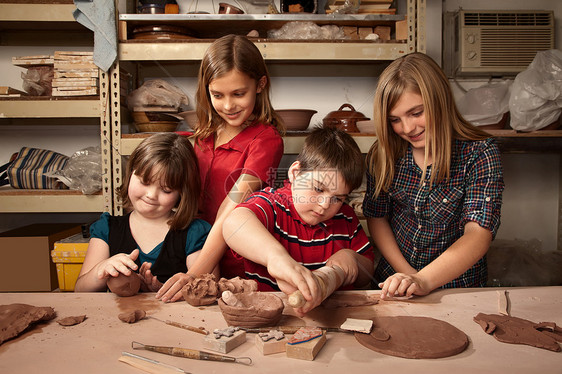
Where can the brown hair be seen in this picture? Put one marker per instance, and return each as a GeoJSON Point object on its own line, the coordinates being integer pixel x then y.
{"type": "Point", "coordinates": [170, 158]}
{"type": "Point", "coordinates": [330, 148]}
{"type": "Point", "coordinates": [419, 74]}
{"type": "Point", "coordinates": [228, 53]}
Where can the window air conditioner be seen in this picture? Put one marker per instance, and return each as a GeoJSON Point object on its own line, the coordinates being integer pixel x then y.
{"type": "Point", "coordinates": [495, 42]}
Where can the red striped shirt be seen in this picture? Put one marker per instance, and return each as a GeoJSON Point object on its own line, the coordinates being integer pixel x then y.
{"type": "Point", "coordinates": [309, 245]}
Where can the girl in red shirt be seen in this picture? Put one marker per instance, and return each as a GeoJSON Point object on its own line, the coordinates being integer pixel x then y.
{"type": "Point", "coordinates": [238, 146]}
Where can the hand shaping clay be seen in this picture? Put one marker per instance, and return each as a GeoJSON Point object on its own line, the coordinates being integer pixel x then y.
{"type": "Point", "coordinates": [132, 317]}
{"type": "Point", "coordinates": [414, 337]}
{"type": "Point", "coordinates": [508, 329]}
{"type": "Point", "coordinates": [201, 290]}
{"type": "Point", "coordinates": [258, 309]}
{"type": "Point", "coordinates": [15, 318]}
{"type": "Point", "coordinates": [71, 321]}
{"type": "Point", "coordinates": [124, 285]}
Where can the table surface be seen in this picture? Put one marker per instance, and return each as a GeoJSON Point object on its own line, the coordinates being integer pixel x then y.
{"type": "Point", "coordinates": [95, 345]}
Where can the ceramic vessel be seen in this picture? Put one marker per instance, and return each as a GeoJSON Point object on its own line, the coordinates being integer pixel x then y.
{"type": "Point", "coordinates": [296, 119]}
{"type": "Point", "coordinates": [345, 120]}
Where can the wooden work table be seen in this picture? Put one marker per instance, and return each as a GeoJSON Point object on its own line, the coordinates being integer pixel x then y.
{"type": "Point", "coordinates": [95, 345]}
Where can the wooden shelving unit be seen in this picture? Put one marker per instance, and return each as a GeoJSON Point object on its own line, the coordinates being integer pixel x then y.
{"type": "Point", "coordinates": [30, 24]}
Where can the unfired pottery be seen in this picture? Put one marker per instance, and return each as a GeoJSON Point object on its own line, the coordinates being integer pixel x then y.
{"type": "Point", "coordinates": [260, 309]}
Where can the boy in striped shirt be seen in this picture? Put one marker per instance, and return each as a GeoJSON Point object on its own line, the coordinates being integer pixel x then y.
{"type": "Point", "coordinates": [284, 233]}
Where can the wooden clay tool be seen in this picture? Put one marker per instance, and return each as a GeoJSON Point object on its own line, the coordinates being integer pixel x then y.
{"type": "Point", "coordinates": [182, 326]}
{"type": "Point", "coordinates": [330, 278]}
{"type": "Point", "coordinates": [191, 353]}
{"type": "Point", "coordinates": [149, 365]}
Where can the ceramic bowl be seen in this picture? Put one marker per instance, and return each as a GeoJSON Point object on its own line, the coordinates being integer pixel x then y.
{"type": "Point", "coordinates": [225, 8]}
{"type": "Point", "coordinates": [296, 119]}
{"type": "Point", "coordinates": [345, 120]}
{"type": "Point", "coordinates": [190, 118]}
{"type": "Point", "coordinates": [366, 127]}
{"type": "Point", "coordinates": [157, 126]}
{"type": "Point", "coordinates": [146, 116]}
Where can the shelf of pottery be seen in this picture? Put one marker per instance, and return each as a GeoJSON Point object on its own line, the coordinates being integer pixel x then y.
{"type": "Point", "coordinates": [149, 39]}
{"type": "Point", "coordinates": [72, 100]}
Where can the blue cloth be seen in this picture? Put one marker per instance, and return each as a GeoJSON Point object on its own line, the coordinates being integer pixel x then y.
{"type": "Point", "coordinates": [99, 16]}
{"type": "Point", "coordinates": [196, 236]}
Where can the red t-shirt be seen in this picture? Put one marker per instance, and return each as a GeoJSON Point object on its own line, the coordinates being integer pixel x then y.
{"type": "Point", "coordinates": [257, 151]}
{"type": "Point", "coordinates": [309, 245]}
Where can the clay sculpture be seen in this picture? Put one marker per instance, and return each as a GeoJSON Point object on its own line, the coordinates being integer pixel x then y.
{"type": "Point", "coordinates": [252, 309]}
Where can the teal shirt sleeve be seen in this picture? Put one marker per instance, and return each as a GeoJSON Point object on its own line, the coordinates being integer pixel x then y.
{"type": "Point", "coordinates": [196, 236]}
{"type": "Point", "coordinates": [100, 228]}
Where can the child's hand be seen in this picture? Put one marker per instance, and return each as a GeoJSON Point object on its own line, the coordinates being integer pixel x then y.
{"type": "Point", "coordinates": [171, 290]}
{"type": "Point", "coordinates": [292, 276]}
{"type": "Point", "coordinates": [400, 284]}
{"type": "Point", "coordinates": [149, 282]}
{"type": "Point", "coordinates": [120, 263]}
{"type": "Point", "coordinates": [345, 260]}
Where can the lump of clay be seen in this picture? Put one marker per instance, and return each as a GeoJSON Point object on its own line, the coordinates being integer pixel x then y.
{"type": "Point", "coordinates": [237, 285]}
{"type": "Point", "coordinates": [201, 290]}
{"type": "Point", "coordinates": [345, 299]}
{"type": "Point", "coordinates": [508, 329]}
{"type": "Point", "coordinates": [124, 285]}
{"type": "Point", "coordinates": [15, 318]}
{"type": "Point", "coordinates": [132, 317]}
{"type": "Point", "coordinates": [252, 309]}
{"type": "Point", "coordinates": [71, 321]}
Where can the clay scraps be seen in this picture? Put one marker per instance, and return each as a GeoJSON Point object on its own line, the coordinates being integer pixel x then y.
{"type": "Point", "coordinates": [15, 318]}
{"type": "Point", "coordinates": [133, 316]}
{"type": "Point", "coordinates": [72, 320]}
{"type": "Point", "coordinates": [509, 329]}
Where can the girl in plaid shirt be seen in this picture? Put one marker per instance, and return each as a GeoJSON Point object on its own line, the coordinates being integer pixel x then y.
{"type": "Point", "coordinates": [434, 184]}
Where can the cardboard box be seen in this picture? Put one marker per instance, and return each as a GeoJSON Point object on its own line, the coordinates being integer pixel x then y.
{"type": "Point", "coordinates": [25, 253]}
{"type": "Point", "coordinates": [68, 255]}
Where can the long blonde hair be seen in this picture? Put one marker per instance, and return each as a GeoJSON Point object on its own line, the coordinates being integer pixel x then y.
{"type": "Point", "coordinates": [419, 74]}
{"type": "Point", "coordinates": [228, 53]}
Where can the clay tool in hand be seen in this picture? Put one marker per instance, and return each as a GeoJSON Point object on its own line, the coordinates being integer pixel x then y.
{"type": "Point", "coordinates": [330, 278]}
{"type": "Point", "coordinates": [198, 330]}
{"type": "Point", "coordinates": [149, 365]}
{"type": "Point", "coordinates": [191, 353]}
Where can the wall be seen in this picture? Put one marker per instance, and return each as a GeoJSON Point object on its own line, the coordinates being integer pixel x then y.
{"type": "Point", "coordinates": [531, 201]}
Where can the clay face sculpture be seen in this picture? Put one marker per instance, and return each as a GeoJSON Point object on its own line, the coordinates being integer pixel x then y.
{"type": "Point", "coordinates": [252, 309]}
{"type": "Point", "coordinates": [124, 285]}
{"type": "Point", "coordinates": [15, 318]}
{"type": "Point", "coordinates": [204, 289]}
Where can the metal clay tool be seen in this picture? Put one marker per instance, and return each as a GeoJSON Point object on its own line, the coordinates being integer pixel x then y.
{"type": "Point", "coordinates": [149, 365]}
{"type": "Point", "coordinates": [182, 326]}
{"type": "Point", "coordinates": [191, 353]}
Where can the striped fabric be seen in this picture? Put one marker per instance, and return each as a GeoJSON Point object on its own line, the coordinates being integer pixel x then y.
{"type": "Point", "coordinates": [29, 168]}
{"type": "Point", "coordinates": [310, 246]}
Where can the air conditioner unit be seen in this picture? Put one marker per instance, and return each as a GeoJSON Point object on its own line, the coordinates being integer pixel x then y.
{"type": "Point", "coordinates": [495, 42]}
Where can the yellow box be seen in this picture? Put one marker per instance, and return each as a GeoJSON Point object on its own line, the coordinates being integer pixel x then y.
{"type": "Point", "coordinates": [68, 255]}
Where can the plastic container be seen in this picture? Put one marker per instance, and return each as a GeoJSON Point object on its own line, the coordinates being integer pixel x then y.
{"type": "Point", "coordinates": [68, 255]}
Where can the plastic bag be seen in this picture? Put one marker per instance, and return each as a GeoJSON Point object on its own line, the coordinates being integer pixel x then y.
{"type": "Point", "coordinates": [307, 30]}
{"type": "Point", "coordinates": [485, 105]}
{"type": "Point", "coordinates": [157, 92]}
{"type": "Point", "coordinates": [83, 171]}
{"type": "Point", "coordinates": [536, 95]}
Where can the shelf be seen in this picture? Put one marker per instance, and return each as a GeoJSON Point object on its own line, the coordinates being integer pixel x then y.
{"type": "Point", "coordinates": [48, 107]}
{"type": "Point", "coordinates": [206, 27]}
{"type": "Point", "coordinates": [40, 24]}
{"type": "Point", "coordinates": [48, 201]}
{"type": "Point", "coordinates": [509, 141]}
